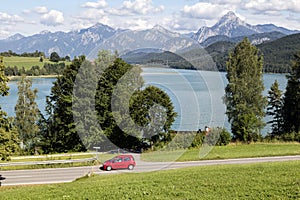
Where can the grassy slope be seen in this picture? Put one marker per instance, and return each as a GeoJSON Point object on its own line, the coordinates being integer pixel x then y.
{"type": "Point", "coordinates": [252, 181]}
{"type": "Point", "coordinates": [226, 152]}
{"type": "Point", "coordinates": [26, 62]}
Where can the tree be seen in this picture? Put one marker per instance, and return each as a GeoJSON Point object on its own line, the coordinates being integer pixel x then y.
{"type": "Point", "coordinates": [291, 100]}
{"type": "Point", "coordinates": [84, 114]}
{"type": "Point", "coordinates": [243, 93]}
{"type": "Point", "coordinates": [67, 58]}
{"type": "Point", "coordinates": [8, 141]}
{"type": "Point", "coordinates": [8, 135]}
{"type": "Point", "coordinates": [127, 114]}
{"type": "Point", "coordinates": [54, 57]}
{"type": "Point", "coordinates": [27, 115]}
{"type": "Point", "coordinates": [108, 119]}
{"type": "Point", "coordinates": [274, 109]}
{"type": "Point", "coordinates": [152, 109]}
{"type": "Point", "coordinates": [60, 134]}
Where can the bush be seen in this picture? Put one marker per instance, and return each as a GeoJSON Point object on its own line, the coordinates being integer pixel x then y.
{"type": "Point", "coordinates": [286, 137]}
{"type": "Point", "coordinates": [198, 139]}
{"type": "Point", "coordinates": [225, 137]}
{"type": "Point", "coordinates": [181, 140]}
{"type": "Point", "coordinates": [54, 57]}
{"type": "Point", "coordinates": [291, 137]}
{"type": "Point", "coordinates": [218, 136]}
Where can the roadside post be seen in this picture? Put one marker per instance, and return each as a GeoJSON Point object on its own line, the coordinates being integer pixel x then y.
{"type": "Point", "coordinates": [97, 152]}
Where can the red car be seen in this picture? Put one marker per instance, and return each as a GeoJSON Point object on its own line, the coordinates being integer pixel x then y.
{"type": "Point", "coordinates": [119, 162]}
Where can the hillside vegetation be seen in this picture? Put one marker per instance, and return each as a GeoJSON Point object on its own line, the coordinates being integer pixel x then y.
{"type": "Point", "coordinates": [277, 54]}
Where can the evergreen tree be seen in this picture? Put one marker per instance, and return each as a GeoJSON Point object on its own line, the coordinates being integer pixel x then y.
{"type": "Point", "coordinates": [274, 109]}
{"type": "Point", "coordinates": [27, 115]}
{"type": "Point", "coordinates": [291, 101]}
{"type": "Point", "coordinates": [60, 134]}
{"type": "Point", "coordinates": [84, 114]}
{"type": "Point", "coordinates": [8, 135]}
{"type": "Point", "coordinates": [243, 93]}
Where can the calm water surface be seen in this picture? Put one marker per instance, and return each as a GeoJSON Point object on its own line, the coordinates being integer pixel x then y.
{"type": "Point", "coordinates": [196, 95]}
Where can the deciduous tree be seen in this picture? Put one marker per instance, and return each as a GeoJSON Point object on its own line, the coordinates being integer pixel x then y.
{"type": "Point", "coordinates": [243, 94]}
{"type": "Point", "coordinates": [8, 135]}
{"type": "Point", "coordinates": [27, 115]}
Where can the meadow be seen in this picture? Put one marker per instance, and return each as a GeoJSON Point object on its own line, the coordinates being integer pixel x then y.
{"type": "Point", "coordinates": [26, 62]}
{"type": "Point", "coordinates": [232, 150]}
{"type": "Point", "coordinates": [276, 180]}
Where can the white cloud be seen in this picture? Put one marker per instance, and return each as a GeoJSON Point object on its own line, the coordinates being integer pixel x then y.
{"type": "Point", "coordinates": [41, 9]}
{"type": "Point", "coordinates": [98, 4]}
{"type": "Point", "coordinates": [203, 10]}
{"type": "Point", "coordinates": [52, 18]}
{"type": "Point", "coordinates": [89, 18]}
{"type": "Point", "coordinates": [91, 14]}
{"type": "Point", "coordinates": [140, 7]}
{"type": "Point", "coordinates": [6, 18]}
{"type": "Point", "coordinates": [227, 2]}
{"type": "Point", "coordinates": [4, 34]}
{"type": "Point", "coordinates": [272, 5]}
{"type": "Point", "coordinates": [136, 24]}
{"type": "Point", "coordinates": [26, 11]}
{"type": "Point", "coordinates": [182, 25]}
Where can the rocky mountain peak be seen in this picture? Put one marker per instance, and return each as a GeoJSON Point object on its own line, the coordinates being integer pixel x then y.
{"type": "Point", "coordinates": [229, 16]}
{"type": "Point", "coordinates": [165, 31]}
{"type": "Point", "coordinates": [229, 19]}
{"type": "Point", "coordinates": [15, 37]}
{"type": "Point", "coordinates": [229, 25]}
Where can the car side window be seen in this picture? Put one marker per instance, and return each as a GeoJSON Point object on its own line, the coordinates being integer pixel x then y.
{"type": "Point", "coordinates": [127, 159]}
{"type": "Point", "coordinates": [119, 160]}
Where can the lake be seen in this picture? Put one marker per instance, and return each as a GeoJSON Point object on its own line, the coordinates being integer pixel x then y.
{"type": "Point", "coordinates": [196, 95]}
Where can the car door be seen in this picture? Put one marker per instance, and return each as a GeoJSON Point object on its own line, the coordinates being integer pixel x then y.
{"type": "Point", "coordinates": [118, 164]}
{"type": "Point", "coordinates": [126, 162]}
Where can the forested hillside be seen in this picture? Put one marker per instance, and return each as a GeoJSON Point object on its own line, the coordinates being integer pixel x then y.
{"type": "Point", "coordinates": [277, 54]}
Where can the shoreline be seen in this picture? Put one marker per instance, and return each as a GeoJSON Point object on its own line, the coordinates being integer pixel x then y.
{"type": "Point", "coordinates": [41, 76]}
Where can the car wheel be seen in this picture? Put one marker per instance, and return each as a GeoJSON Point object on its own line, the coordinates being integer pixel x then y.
{"type": "Point", "coordinates": [130, 167]}
{"type": "Point", "coordinates": [108, 168]}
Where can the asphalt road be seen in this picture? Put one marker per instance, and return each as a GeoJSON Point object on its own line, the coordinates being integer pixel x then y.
{"type": "Point", "coordinates": [59, 175]}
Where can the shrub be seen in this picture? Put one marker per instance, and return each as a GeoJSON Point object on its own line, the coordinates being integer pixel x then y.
{"type": "Point", "coordinates": [218, 136]}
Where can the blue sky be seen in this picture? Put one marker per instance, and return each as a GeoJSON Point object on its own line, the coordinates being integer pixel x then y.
{"type": "Point", "coordinates": [33, 16]}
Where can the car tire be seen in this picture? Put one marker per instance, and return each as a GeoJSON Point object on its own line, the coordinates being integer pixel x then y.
{"type": "Point", "coordinates": [130, 167]}
{"type": "Point", "coordinates": [108, 168]}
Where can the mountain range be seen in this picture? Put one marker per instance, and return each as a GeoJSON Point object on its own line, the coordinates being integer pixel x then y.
{"type": "Point", "coordinates": [232, 26]}
{"type": "Point", "coordinates": [89, 41]}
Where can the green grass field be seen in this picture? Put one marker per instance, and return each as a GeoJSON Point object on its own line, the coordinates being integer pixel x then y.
{"type": "Point", "coordinates": [26, 62]}
{"type": "Point", "coordinates": [226, 152]}
{"type": "Point", "coordinates": [278, 180]}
